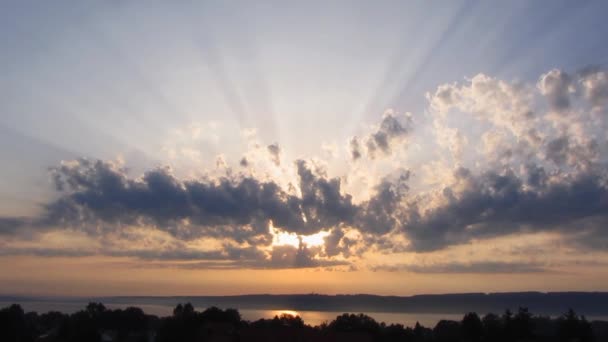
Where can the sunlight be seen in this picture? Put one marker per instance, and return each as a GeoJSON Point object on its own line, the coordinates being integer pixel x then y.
{"type": "Point", "coordinates": [280, 313]}
{"type": "Point", "coordinates": [317, 239]}
{"type": "Point", "coordinates": [280, 238]}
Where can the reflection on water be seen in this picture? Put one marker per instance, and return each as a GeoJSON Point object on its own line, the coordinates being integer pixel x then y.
{"type": "Point", "coordinates": [309, 317]}
{"type": "Point", "coordinates": [284, 312]}
{"type": "Point", "coordinates": [318, 317]}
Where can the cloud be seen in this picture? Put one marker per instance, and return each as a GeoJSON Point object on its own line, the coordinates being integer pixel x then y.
{"type": "Point", "coordinates": [393, 130]}
{"type": "Point", "coordinates": [501, 203]}
{"type": "Point", "coordinates": [490, 267]}
{"type": "Point", "coordinates": [381, 213]}
{"type": "Point", "coordinates": [275, 153]}
{"type": "Point", "coordinates": [332, 241]}
{"type": "Point", "coordinates": [556, 85]}
{"type": "Point", "coordinates": [10, 225]}
{"type": "Point", "coordinates": [520, 166]}
{"type": "Point", "coordinates": [565, 150]}
{"type": "Point", "coordinates": [594, 81]}
{"type": "Point", "coordinates": [322, 202]}
{"type": "Point", "coordinates": [355, 148]}
{"type": "Point", "coordinates": [46, 252]}
{"type": "Point", "coordinates": [99, 197]}
{"type": "Point", "coordinates": [280, 257]}
{"type": "Point", "coordinates": [506, 105]}
{"type": "Point", "coordinates": [535, 172]}
{"type": "Point", "coordinates": [297, 257]}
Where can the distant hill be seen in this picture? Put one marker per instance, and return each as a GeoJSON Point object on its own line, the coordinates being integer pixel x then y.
{"type": "Point", "coordinates": [552, 303]}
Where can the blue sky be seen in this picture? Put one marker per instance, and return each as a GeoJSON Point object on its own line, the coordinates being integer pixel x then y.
{"type": "Point", "coordinates": [199, 87]}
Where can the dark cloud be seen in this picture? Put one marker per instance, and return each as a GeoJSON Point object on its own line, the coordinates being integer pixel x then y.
{"type": "Point", "coordinates": [355, 148]}
{"type": "Point", "coordinates": [490, 267]}
{"type": "Point", "coordinates": [167, 254]}
{"type": "Point", "coordinates": [296, 257]}
{"type": "Point", "coordinates": [275, 153]}
{"type": "Point", "coordinates": [496, 204]}
{"type": "Point", "coordinates": [536, 176]}
{"type": "Point", "coordinates": [381, 213]}
{"type": "Point", "coordinates": [322, 202]}
{"type": "Point", "coordinates": [10, 225]}
{"type": "Point", "coordinates": [236, 256]}
{"type": "Point", "coordinates": [98, 196]}
{"type": "Point", "coordinates": [392, 130]}
{"type": "Point", "coordinates": [244, 162]}
{"type": "Point", "coordinates": [332, 242]}
{"type": "Point", "coordinates": [563, 150]}
{"type": "Point", "coordinates": [556, 86]}
{"type": "Point", "coordinates": [280, 257]}
{"type": "Point", "coordinates": [46, 252]}
{"type": "Point", "coordinates": [594, 81]}
{"type": "Point", "coordinates": [101, 195]}
{"type": "Point", "coordinates": [557, 150]}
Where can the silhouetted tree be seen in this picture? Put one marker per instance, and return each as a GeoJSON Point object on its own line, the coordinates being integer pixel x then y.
{"type": "Point", "coordinates": [447, 331]}
{"type": "Point", "coordinates": [522, 325]}
{"type": "Point", "coordinates": [492, 328]}
{"type": "Point", "coordinates": [13, 325]}
{"type": "Point", "coordinates": [213, 324]}
{"type": "Point", "coordinates": [183, 310]}
{"type": "Point", "coordinates": [572, 328]}
{"type": "Point", "coordinates": [472, 328]}
{"type": "Point", "coordinates": [214, 314]}
{"type": "Point", "coordinates": [95, 309]}
{"type": "Point", "coordinates": [397, 332]}
{"type": "Point", "coordinates": [357, 323]}
{"type": "Point", "coordinates": [421, 333]}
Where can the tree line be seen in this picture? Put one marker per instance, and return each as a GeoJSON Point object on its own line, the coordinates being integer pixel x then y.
{"type": "Point", "coordinates": [96, 323]}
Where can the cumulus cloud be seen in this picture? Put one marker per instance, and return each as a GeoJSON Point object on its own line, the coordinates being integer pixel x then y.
{"type": "Point", "coordinates": [355, 148]}
{"type": "Point", "coordinates": [100, 198]}
{"type": "Point", "coordinates": [557, 86]}
{"type": "Point", "coordinates": [275, 153]}
{"type": "Point", "coordinates": [382, 213]}
{"type": "Point", "coordinates": [594, 81]}
{"type": "Point", "coordinates": [393, 130]}
{"type": "Point", "coordinates": [565, 150]}
{"type": "Point", "coordinates": [100, 195]}
{"type": "Point", "coordinates": [96, 192]}
{"type": "Point", "coordinates": [521, 166]}
{"type": "Point", "coordinates": [501, 203]}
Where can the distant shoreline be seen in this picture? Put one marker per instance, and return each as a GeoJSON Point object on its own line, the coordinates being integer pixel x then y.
{"type": "Point", "coordinates": [549, 303]}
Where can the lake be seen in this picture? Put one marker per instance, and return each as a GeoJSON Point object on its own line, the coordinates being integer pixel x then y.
{"type": "Point", "coordinates": [309, 317]}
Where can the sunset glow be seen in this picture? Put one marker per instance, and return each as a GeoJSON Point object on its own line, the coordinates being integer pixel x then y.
{"type": "Point", "coordinates": [295, 147]}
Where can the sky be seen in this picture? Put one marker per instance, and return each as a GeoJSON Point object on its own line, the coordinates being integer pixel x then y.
{"type": "Point", "coordinates": [213, 148]}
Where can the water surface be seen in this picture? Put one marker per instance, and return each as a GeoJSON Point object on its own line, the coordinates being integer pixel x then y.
{"type": "Point", "coordinates": [309, 317]}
